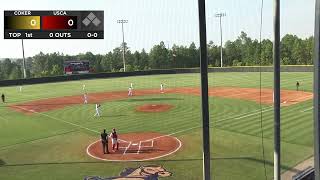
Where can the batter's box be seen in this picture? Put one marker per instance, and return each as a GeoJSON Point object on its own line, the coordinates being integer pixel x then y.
{"type": "Point", "coordinates": [146, 144]}
{"type": "Point", "coordinates": [123, 144]}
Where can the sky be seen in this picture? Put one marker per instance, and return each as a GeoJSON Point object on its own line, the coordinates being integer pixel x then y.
{"type": "Point", "coordinates": [152, 21]}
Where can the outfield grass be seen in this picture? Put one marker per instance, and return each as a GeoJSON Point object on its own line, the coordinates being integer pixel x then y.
{"type": "Point", "coordinates": [44, 146]}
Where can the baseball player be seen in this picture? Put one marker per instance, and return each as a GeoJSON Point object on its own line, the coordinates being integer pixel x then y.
{"type": "Point", "coordinates": [85, 98]}
{"type": "Point", "coordinates": [104, 141]}
{"type": "Point", "coordinates": [98, 110]}
{"type": "Point", "coordinates": [130, 93]}
{"type": "Point", "coordinates": [161, 88]}
{"type": "Point", "coordinates": [83, 87]}
{"type": "Point", "coordinates": [131, 85]}
{"type": "Point", "coordinates": [114, 138]}
{"type": "Point", "coordinates": [3, 98]}
{"type": "Point", "coordinates": [20, 88]}
{"type": "Point", "coordinates": [297, 85]}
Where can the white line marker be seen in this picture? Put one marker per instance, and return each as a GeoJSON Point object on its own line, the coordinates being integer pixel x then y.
{"type": "Point", "coordinates": [253, 114]}
{"type": "Point", "coordinates": [139, 148]}
{"type": "Point", "coordinates": [126, 149]}
{"type": "Point", "coordinates": [308, 109]}
{"type": "Point", "coordinates": [67, 122]}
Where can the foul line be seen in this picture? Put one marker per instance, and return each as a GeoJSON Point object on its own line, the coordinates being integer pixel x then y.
{"type": "Point", "coordinates": [58, 119]}
{"type": "Point", "coordinates": [307, 109]}
{"type": "Point", "coordinates": [253, 114]}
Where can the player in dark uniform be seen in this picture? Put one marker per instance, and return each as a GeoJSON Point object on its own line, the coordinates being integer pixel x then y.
{"type": "Point", "coordinates": [104, 141]}
{"type": "Point", "coordinates": [297, 85]}
{"type": "Point", "coordinates": [114, 137]}
{"type": "Point", "coordinates": [3, 98]}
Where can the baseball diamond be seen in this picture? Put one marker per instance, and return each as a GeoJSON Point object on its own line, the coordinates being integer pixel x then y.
{"type": "Point", "coordinates": [48, 130]}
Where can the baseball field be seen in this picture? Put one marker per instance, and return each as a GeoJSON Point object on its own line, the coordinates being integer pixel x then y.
{"type": "Point", "coordinates": [47, 132]}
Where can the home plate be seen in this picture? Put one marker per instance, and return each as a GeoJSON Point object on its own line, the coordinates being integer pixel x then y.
{"type": "Point", "coordinates": [135, 144]}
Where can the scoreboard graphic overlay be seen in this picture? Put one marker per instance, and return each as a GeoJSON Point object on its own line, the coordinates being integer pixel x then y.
{"type": "Point", "coordinates": [53, 24]}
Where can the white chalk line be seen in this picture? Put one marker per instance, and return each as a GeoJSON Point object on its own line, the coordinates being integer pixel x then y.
{"type": "Point", "coordinates": [58, 119]}
{"type": "Point", "coordinates": [308, 109]}
{"type": "Point", "coordinates": [139, 148]}
{"type": "Point", "coordinates": [253, 114]}
{"type": "Point", "coordinates": [126, 149]}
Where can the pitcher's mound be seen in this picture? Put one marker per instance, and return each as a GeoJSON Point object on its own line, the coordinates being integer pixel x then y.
{"type": "Point", "coordinates": [137, 147]}
{"type": "Point", "coordinates": [154, 108]}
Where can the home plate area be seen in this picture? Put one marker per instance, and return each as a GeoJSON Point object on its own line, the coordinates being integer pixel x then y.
{"type": "Point", "coordinates": [137, 147]}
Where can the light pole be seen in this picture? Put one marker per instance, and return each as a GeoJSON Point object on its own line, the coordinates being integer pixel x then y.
{"type": "Point", "coordinates": [220, 15]}
{"type": "Point", "coordinates": [122, 21]}
{"type": "Point", "coordinates": [23, 61]}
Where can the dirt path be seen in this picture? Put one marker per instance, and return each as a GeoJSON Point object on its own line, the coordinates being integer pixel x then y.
{"type": "Point", "coordinates": [288, 97]}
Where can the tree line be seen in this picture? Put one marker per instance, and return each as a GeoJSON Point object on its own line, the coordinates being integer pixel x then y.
{"type": "Point", "coordinates": [244, 51]}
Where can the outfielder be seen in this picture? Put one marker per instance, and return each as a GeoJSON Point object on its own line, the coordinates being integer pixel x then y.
{"type": "Point", "coordinates": [98, 110]}
{"type": "Point", "coordinates": [83, 87]}
{"type": "Point", "coordinates": [20, 88]}
{"type": "Point", "coordinates": [131, 85]}
{"type": "Point", "coordinates": [114, 138]}
{"type": "Point", "coordinates": [297, 85]}
{"type": "Point", "coordinates": [3, 98]}
{"type": "Point", "coordinates": [130, 93]}
{"type": "Point", "coordinates": [85, 98]}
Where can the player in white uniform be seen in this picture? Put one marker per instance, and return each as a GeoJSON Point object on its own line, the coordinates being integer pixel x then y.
{"type": "Point", "coordinates": [85, 98]}
{"type": "Point", "coordinates": [20, 88]}
{"type": "Point", "coordinates": [130, 93]}
{"type": "Point", "coordinates": [98, 110]}
{"type": "Point", "coordinates": [161, 88]}
{"type": "Point", "coordinates": [83, 87]}
{"type": "Point", "coordinates": [131, 85]}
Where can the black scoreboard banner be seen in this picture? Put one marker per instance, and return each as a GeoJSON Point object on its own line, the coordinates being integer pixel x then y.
{"type": "Point", "coordinates": [53, 24]}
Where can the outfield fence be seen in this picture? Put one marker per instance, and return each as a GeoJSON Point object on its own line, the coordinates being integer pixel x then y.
{"type": "Point", "coordinates": [54, 79]}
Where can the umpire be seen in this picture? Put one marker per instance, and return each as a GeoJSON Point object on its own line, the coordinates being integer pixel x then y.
{"type": "Point", "coordinates": [104, 141]}
{"type": "Point", "coordinates": [3, 98]}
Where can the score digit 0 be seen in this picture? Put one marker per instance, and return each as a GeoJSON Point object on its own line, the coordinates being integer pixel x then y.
{"type": "Point", "coordinates": [33, 22]}
{"type": "Point", "coordinates": [70, 22]}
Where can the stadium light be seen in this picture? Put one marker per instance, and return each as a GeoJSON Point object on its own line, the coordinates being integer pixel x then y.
{"type": "Point", "coordinates": [123, 21]}
{"type": "Point", "coordinates": [23, 61]}
{"type": "Point", "coordinates": [220, 15]}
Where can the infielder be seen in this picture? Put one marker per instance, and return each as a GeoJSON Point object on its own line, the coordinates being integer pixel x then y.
{"type": "Point", "coordinates": [98, 110]}
{"type": "Point", "coordinates": [297, 85]}
{"type": "Point", "coordinates": [131, 85]}
{"type": "Point", "coordinates": [85, 98]}
{"type": "Point", "coordinates": [114, 138]}
{"type": "Point", "coordinates": [161, 88]}
{"type": "Point", "coordinates": [130, 93]}
{"type": "Point", "coordinates": [83, 87]}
